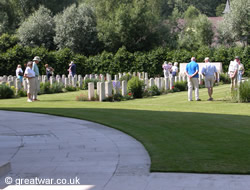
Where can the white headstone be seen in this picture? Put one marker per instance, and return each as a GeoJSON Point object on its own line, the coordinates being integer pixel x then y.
{"type": "Point", "coordinates": [146, 83]}
{"type": "Point", "coordinates": [91, 90]}
{"type": "Point", "coordinates": [102, 91]}
{"type": "Point", "coordinates": [124, 88]}
{"type": "Point", "coordinates": [108, 89]}
{"type": "Point", "coordinates": [151, 82]}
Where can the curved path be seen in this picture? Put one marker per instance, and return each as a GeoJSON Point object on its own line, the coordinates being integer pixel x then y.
{"type": "Point", "coordinates": [43, 147]}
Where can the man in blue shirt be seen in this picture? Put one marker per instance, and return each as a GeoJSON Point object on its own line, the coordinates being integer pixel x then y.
{"type": "Point", "coordinates": [192, 71]}
{"type": "Point", "coordinates": [208, 71]}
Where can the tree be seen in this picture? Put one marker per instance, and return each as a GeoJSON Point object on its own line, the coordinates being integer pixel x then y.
{"type": "Point", "coordinates": [197, 31]}
{"type": "Point", "coordinates": [128, 23]}
{"type": "Point", "coordinates": [76, 29]}
{"type": "Point", "coordinates": [236, 24]}
{"type": "Point", "coordinates": [38, 29]}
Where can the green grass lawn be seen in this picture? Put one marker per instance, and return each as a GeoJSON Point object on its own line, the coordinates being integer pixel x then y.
{"type": "Point", "coordinates": [180, 136]}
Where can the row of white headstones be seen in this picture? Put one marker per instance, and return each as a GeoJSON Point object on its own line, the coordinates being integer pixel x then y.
{"type": "Point", "coordinates": [105, 87]}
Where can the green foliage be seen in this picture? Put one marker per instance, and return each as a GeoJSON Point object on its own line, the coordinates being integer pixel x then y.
{"type": "Point", "coordinates": [154, 91]}
{"type": "Point", "coordinates": [136, 87]}
{"type": "Point", "coordinates": [191, 13]}
{"type": "Point", "coordinates": [45, 88]}
{"type": "Point", "coordinates": [244, 91]}
{"type": "Point", "coordinates": [225, 78]}
{"type": "Point", "coordinates": [57, 88]}
{"type": "Point", "coordinates": [21, 93]}
{"type": "Point", "coordinates": [219, 9]}
{"type": "Point", "coordinates": [236, 24]}
{"type": "Point", "coordinates": [85, 83]}
{"type": "Point", "coordinates": [126, 77]}
{"type": "Point", "coordinates": [38, 29]}
{"type": "Point", "coordinates": [6, 92]}
{"type": "Point", "coordinates": [76, 29]}
{"type": "Point", "coordinates": [7, 41]}
{"type": "Point", "coordinates": [197, 31]}
{"type": "Point", "coordinates": [71, 88]}
{"type": "Point", "coordinates": [181, 85]}
{"type": "Point", "coordinates": [127, 23]}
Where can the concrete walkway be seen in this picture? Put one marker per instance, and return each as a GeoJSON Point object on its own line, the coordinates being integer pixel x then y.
{"type": "Point", "coordinates": [44, 149]}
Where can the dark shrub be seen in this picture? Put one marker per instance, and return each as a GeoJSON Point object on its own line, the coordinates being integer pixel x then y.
{"type": "Point", "coordinates": [182, 86]}
{"type": "Point", "coordinates": [6, 91]}
{"type": "Point", "coordinates": [136, 87]}
{"type": "Point", "coordinates": [154, 91]}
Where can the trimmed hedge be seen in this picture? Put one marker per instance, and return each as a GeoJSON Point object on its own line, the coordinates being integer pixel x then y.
{"type": "Point", "coordinates": [121, 61]}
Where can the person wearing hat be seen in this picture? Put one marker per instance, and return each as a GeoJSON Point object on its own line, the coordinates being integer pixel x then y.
{"type": "Point", "coordinates": [30, 75]}
{"type": "Point", "coordinates": [209, 71]}
{"type": "Point", "coordinates": [233, 72]}
{"type": "Point", "coordinates": [35, 68]}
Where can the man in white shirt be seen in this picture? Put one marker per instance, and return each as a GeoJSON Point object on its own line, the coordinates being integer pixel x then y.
{"type": "Point", "coordinates": [30, 75]}
{"type": "Point", "coordinates": [233, 72]}
{"type": "Point", "coordinates": [208, 71]}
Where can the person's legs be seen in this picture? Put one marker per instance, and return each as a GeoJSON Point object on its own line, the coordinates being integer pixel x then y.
{"type": "Point", "coordinates": [190, 89]}
{"type": "Point", "coordinates": [35, 88]}
{"type": "Point", "coordinates": [196, 87]}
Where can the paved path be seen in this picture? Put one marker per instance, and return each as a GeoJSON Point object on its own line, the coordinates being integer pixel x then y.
{"type": "Point", "coordinates": [42, 147]}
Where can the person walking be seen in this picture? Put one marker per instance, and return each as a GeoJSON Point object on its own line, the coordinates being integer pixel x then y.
{"type": "Point", "coordinates": [192, 72]}
{"type": "Point", "coordinates": [35, 68]}
{"type": "Point", "coordinates": [209, 71]}
{"type": "Point", "coordinates": [30, 75]}
{"type": "Point", "coordinates": [19, 73]}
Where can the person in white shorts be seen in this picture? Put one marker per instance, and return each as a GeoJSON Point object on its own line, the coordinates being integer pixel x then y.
{"type": "Point", "coordinates": [30, 75]}
{"type": "Point", "coordinates": [233, 73]}
{"type": "Point", "coordinates": [209, 71]}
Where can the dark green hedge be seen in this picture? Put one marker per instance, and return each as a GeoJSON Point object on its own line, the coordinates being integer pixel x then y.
{"type": "Point", "coordinates": [122, 61]}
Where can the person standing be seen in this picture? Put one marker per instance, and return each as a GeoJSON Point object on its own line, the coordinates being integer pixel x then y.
{"type": "Point", "coordinates": [19, 73]}
{"type": "Point", "coordinates": [240, 72]}
{"type": "Point", "coordinates": [175, 70]}
{"type": "Point", "coordinates": [73, 68]}
{"type": "Point", "coordinates": [35, 68]}
{"type": "Point", "coordinates": [166, 69]}
{"type": "Point", "coordinates": [192, 72]}
{"type": "Point", "coordinates": [30, 75]}
{"type": "Point", "coordinates": [49, 71]}
{"type": "Point", "coordinates": [208, 71]}
{"type": "Point", "coordinates": [233, 72]}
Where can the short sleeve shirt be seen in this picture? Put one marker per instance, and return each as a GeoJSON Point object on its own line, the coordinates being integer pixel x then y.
{"type": "Point", "coordinates": [29, 72]}
{"type": "Point", "coordinates": [209, 70]}
{"type": "Point", "coordinates": [191, 68]}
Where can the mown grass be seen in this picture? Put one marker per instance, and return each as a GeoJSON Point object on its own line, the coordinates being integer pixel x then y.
{"type": "Point", "coordinates": [180, 136]}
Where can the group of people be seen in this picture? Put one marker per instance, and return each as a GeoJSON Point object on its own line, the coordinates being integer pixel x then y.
{"type": "Point", "coordinates": [31, 73]}
{"type": "Point", "coordinates": [169, 69]}
{"type": "Point", "coordinates": [209, 71]}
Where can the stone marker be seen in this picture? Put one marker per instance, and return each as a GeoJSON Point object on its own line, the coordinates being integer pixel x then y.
{"type": "Point", "coordinates": [91, 91]}
{"type": "Point", "coordinates": [66, 83]}
{"type": "Point", "coordinates": [102, 91]}
{"type": "Point", "coordinates": [151, 82]}
{"type": "Point", "coordinates": [124, 88]}
{"type": "Point", "coordinates": [108, 89]}
{"type": "Point", "coordinates": [146, 83]}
